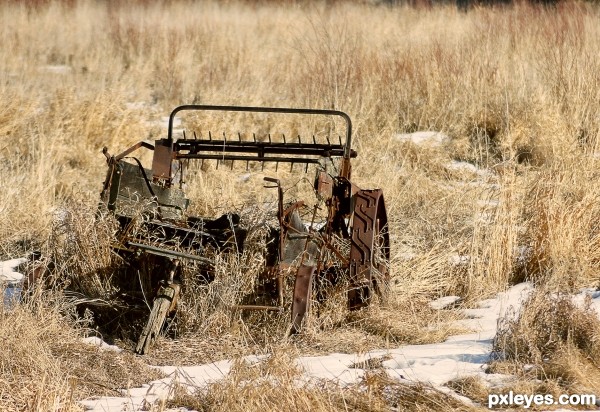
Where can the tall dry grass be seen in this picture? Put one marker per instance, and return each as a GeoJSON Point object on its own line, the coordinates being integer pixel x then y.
{"type": "Point", "coordinates": [515, 89]}
{"type": "Point", "coordinates": [45, 365]}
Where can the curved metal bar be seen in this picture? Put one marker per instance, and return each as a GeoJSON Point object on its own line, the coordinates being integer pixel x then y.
{"type": "Point", "coordinates": [285, 110]}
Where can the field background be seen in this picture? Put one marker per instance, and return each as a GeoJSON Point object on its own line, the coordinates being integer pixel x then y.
{"type": "Point", "coordinates": [515, 88]}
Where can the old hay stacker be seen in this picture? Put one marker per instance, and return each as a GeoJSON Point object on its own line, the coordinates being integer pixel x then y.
{"type": "Point", "coordinates": [341, 233]}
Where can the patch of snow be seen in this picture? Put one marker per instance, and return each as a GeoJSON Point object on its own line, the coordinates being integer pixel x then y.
{"type": "Point", "coordinates": [459, 260]}
{"type": "Point", "coordinates": [56, 69]}
{"type": "Point", "coordinates": [12, 281]}
{"type": "Point", "coordinates": [423, 138]}
{"type": "Point", "coordinates": [8, 273]}
{"type": "Point", "coordinates": [460, 166]}
{"type": "Point", "coordinates": [592, 294]}
{"type": "Point", "coordinates": [96, 341]}
{"type": "Point", "coordinates": [444, 302]}
{"type": "Point", "coordinates": [436, 364]}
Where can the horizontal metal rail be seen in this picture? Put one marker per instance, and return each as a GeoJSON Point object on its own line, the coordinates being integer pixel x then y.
{"type": "Point", "coordinates": [153, 250]}
{"type": "Point", "coordinates": [346, 148]}
{"type": "Point", "coordinates": [249, 158]}
{"type": "Point", "coordinates": [263, 152]}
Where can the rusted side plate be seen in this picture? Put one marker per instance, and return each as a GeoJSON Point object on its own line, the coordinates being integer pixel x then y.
{"type": "Point", "coordinates": [302, 294]}
{"type": "Point", "coordinates": [161, 162]}
{"type": "Point", "coordinates": [369, 218]}
{"type": "Point", "coordinates": [324, 186]}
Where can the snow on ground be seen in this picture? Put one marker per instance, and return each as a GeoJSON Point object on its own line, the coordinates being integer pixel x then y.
{"type": "Point", "coordinates": [10, 281]}
{"type": "Point", "coordinates": [425, 138]}
{"type": "Point", "coordinates": [96, 341]}
{"type": "Point", "coordinates": [7, 270]}
{"type": "Point", "coordinates": [436, 364]}
{"type": "Point", "coordinates": [458, 356]}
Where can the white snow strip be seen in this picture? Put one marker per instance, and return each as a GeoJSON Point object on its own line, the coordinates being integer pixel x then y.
{"type": "Point", "coordinates": [458, 356]}
{"type": "Point", "coordinates": [592, 294]}
{"type": "Point", "coordinates": [7, 270]}
{"type": "Point", "coordinates": [423, 138]}
{"type": "Point", "coordinates": [468, 168]}
{"type": "Point", "coordinates": [96, 341]}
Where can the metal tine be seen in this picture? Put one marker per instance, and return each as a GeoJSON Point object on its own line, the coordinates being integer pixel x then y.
{"type": "Point", "coordinates": [209, 135]}
{"type": "Point", "coordinates": [283, 134]}
{"type": "Point", "coordinates": [184, 138]}
{"type": "Point", "coordinates": [276, 166]}
{"type": "Point", "coordinates": [269, 138]}
{"type": "Point", "coordinates": [291, 167]}
{"type": "Point", "coordinates": [254, 137]}
{"type": "Point", "coordinates": [195, 137]}
{"type": "Point", "coordinates": [233, 161]}
{"type": "Point", "coordinates": [305, 167]}
{"type": "Point", "coordinates": [299, 139]}
{"type": "Point", "coordinates": [224, 137]}
{"type": "Point", "coordinates": [328, 141]}
{"type": "Point", "coordinates": [239, 136]}
{"type": "Point", "coordinates": [218, 161]}
{"type": "Point", "coordinates": [314, 139]}
{"type": "Point", "coordinates": [262, 166]}
{"type": "Point", "coordinates": [247, 165]}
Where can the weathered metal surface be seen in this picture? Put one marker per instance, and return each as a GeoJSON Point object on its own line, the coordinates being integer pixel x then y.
{"type": "Point", "coordinates": [353, 241]}
{"type": "Point", "coordinates": [369, 240]}
{"type": "Point", "coordinates": [302, 295]}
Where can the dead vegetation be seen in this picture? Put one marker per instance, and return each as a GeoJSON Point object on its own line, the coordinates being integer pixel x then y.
{"type": "Point", "coordinates": [276, 383]}
{"type": "Point", "coordinates": [514, 89]}
{"type": "Point", "coordinates": [45, 366]}
{"type": "Point", "coordinates": [552, 341]}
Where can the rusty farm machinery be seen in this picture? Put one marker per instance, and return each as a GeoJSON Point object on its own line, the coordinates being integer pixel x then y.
{"type": "Point", "coordinates": [350, 239]}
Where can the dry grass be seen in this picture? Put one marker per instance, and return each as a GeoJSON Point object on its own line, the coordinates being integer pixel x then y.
{"type": "Point", "coordinates": [277, 384]}
{"type": "Point", "coordinates": [557, 340]}
{"type": "Point", "coordinates": [514, 88]}
{"type": "Point", "coordinates": [44, 365]}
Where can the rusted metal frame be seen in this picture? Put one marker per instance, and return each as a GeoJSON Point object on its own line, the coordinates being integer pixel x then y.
{"type": "Point", "coordinates": [337, 253]}
{"type": "Point", "coordinates": [154, 250]}
{"type": "Point", "coordinates": [179, 156]}
{"type": "Point", "coordinates": [345, 166]}
{"type": "Point", "coordinates": [258, 307]}
{"type": "Point", "coordinates": [280, 218]}
{"type": "Point", "coordinates": [362, 245]}
{"type": "Point", "coordinates": [324, 186]}
{"type": "Point", "coordinates": [162, 162]}
{"type": "Point", "coordinates": [302, 294]}
{"type": "Point", "coordinates": [133, 148]}
{"type": "Point", "coordinates": [252, 109]}
{"type": "Point", "coordinates": [261, 148]}
{"type": "Point", "coordinates": [112, 185]}
{"type": "Point", "coordinates": [304, 280]}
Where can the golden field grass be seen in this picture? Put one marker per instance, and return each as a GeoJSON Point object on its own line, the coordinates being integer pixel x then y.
{"type": "Point", "coordinates": [516, 89]}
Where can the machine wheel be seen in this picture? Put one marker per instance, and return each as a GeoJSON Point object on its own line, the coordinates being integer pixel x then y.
{"type": "Point", "coordinates": [369, 250]}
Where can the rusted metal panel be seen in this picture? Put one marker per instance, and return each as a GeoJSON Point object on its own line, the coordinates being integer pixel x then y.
{"type": "Point", "coordinates": [302, 294]}
{"type": "Point", "coordinates": [369, 218]}
{"type": "Point", "coordinates": [162, 162]}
